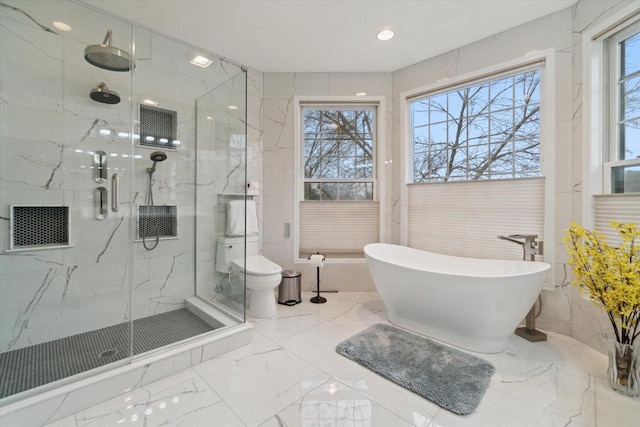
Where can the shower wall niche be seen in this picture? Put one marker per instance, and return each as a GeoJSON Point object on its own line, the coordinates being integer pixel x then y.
{"type": "Point", "coordinates": [50, 131]}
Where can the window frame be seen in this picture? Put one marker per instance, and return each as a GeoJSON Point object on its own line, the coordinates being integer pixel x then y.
{"type": "Point", "coordinates": [611, 57]}
{"type": "Point", "coordinates": [595, 102]}
{"type": "Point", "coordinates": [313, 106]}
{"type": "Point", "coordinates": [379, 162]}
{"type": "Point", "coordinates": [489, 79]}
{"type": "Point", "coordinates": [547, 127]}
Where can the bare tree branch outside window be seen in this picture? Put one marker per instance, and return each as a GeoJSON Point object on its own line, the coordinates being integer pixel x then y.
{"type": "Point", "coordinates": [485, 131]}
{"type": "Point", "coordinates": [338, 154]}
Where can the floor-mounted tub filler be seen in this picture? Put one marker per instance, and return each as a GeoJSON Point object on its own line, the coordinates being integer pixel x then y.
{"type": "Point", "coordinates": [475, 304]}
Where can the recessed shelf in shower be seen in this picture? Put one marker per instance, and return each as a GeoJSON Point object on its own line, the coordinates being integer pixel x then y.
{"type": "Point", "coordinates": [35, 227]}
{"type": "Point", "coordinates": [162, 217]}
{"type": "Point", "coordinates": [158, 127]}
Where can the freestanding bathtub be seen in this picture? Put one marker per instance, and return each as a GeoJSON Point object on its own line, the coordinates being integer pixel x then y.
{"type": "Point", "coordinates": [471, 303]}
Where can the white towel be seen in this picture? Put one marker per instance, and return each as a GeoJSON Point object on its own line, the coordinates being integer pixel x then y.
{"type": "Point", "coordinates": [235, 218]}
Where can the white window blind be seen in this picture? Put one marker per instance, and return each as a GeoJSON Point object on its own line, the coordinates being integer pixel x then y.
{"type": "Point", "coordinates": [465, 218]}
{"type": "Point", "coordinates": [338, 228]}
{"type": "Point", "coordinates": [615, 207]}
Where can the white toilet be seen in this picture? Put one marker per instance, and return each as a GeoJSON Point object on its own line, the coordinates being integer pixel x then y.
{"type": "Point", "coordinates": [262, 275]}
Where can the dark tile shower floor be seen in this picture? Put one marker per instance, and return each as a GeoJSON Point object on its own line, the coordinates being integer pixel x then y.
{"type": "Point", "coordinates": [40, 364]}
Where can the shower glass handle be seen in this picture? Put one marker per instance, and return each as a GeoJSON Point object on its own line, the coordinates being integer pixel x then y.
{"type": "Point", "coordinates": [115, 192]}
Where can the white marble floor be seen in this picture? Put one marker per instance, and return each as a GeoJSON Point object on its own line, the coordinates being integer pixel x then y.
{"type": "Point", "coordinates": [291, 376]}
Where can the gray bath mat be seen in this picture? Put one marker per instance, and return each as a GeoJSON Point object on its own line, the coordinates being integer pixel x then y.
{"type": "Point", "coordinates": [448, 377]}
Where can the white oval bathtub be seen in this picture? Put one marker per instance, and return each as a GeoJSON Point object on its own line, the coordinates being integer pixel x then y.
{"type": "Point", "coordinates": [472, 303]}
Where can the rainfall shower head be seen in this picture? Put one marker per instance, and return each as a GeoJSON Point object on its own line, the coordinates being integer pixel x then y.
{"type": "Point", "coordinates": [107, 57]}
{"type": "Point", "coordinates": [156, 156]}
{"type": "Point", "coordinates": [103, 94]}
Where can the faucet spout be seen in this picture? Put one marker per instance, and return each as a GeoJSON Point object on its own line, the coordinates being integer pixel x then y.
{"type": "Point", "coordinates": [531, 247]}
{"type": "Point", "coordinates": [511, 239]}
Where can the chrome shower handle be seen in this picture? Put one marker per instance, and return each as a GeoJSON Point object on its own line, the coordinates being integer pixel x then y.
{"type": "Point", "coordinates": [115, 192]}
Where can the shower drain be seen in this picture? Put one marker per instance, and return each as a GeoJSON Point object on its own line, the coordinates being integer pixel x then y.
{"type": "Point", "coordinates": [108, 353]}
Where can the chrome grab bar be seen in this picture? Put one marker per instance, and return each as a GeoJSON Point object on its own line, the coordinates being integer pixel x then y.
{"type": "Point", "coordinates": [115, 192]}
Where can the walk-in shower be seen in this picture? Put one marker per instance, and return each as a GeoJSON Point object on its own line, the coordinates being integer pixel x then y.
{"type": "Point", "coordinates": [85, 295]}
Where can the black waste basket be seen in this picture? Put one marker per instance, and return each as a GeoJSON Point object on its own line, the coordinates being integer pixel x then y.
{"type": "Point", "coordinates": [289, 290]}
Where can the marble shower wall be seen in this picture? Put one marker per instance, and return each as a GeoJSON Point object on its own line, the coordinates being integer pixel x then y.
{"type": "Point", "coordinates": [49, 130]}
{"type": "Point", "coordinates": [278, 160]}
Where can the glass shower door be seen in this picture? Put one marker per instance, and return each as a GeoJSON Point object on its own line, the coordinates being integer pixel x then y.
{"type": "Point", "coordinates": [64, 250]}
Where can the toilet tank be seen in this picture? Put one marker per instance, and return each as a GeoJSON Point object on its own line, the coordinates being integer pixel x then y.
{"type": "Point", "coordinates": [230, 248]}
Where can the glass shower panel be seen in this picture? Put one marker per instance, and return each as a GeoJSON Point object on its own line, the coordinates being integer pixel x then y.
{"type": "Point", "coordinates": [64, 254]}
{"type": "Point", "coordinates": [169, 82]}
{"type": "Point", "coordinates": [221, 176]}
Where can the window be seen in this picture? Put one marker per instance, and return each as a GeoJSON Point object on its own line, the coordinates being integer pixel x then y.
{"type": "Point", "coordinates": [478, 159]}
{"type": "Point", "coordinates": [623, 167]}
{"type": "Point", "coordinates": [338, 192]}
{"type": "Point", "coordinates": [339, 152]}
{"type": "Point", "coordinates": [487, 130]}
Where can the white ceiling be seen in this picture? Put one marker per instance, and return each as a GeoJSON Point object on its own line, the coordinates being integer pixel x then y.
{"type": "Point", "coordinates": [330, 35]}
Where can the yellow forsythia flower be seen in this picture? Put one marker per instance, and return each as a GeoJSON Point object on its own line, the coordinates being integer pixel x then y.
{"type": "Point", "coordinates": [609, 275]}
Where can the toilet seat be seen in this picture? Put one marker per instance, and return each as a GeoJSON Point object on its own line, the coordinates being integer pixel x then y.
{"type": "Point", "coordinates": [257, 266]}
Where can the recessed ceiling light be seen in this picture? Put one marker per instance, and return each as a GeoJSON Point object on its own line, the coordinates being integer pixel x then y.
{"type": "Point", "coordinates": [232, 107]}
{"type": "Point", "coordinates": [361, 94]}
{"type": "Point", "coordinates": [61, 26]}
{"type": "Point", "coordinates": [176, 142]}
{"type": "Point", "coordinates": [201, 61]}
{"type": "Point", "coordinates": [209, 117]}
{"type": "Point", "coordinates": [150, 102]}
{"type": "Point", "coordinates": [385, 35]}
{"type": "Point", "coordinates": [104, 132]}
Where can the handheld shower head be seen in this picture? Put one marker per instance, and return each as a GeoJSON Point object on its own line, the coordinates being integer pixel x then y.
{"type": "Point", "coordinates": [156, 156]}
{"type": "Point", "coordinates": [108, 57]}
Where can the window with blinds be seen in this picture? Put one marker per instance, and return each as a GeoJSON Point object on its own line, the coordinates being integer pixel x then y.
{"type": "Point", "coordinates": [338, 209]}
{"type": "Point", "coordinates": [615, 207]}
{"type": "Point", "coordinates": [465, 218]}
{"type": "Point", "coordinates": [339, 229]}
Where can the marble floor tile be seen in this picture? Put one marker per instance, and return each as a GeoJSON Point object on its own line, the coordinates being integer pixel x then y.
{"type": "Point", "coordinates": [288, 321]}
{"type": "Point", "coordinates": [290, 375]}
{"type": "Point", "coordinates": [317, 346]}
{"type": "Point", "coordinates": [188, 403]}
{"type": "Point", "coordinates": [342, 308]}
{"type": "Point", "coordinates": [258, 385]}
{"type": "Point", "coordinates": [614, 409]}
{"type": "Point", "coordinates": [500, 410]}
{"type": "Point", "coordinates": [335, 404]}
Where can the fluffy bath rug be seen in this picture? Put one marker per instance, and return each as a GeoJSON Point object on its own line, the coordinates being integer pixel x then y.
{"type": "Point", "coordinates": [450, 378]}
